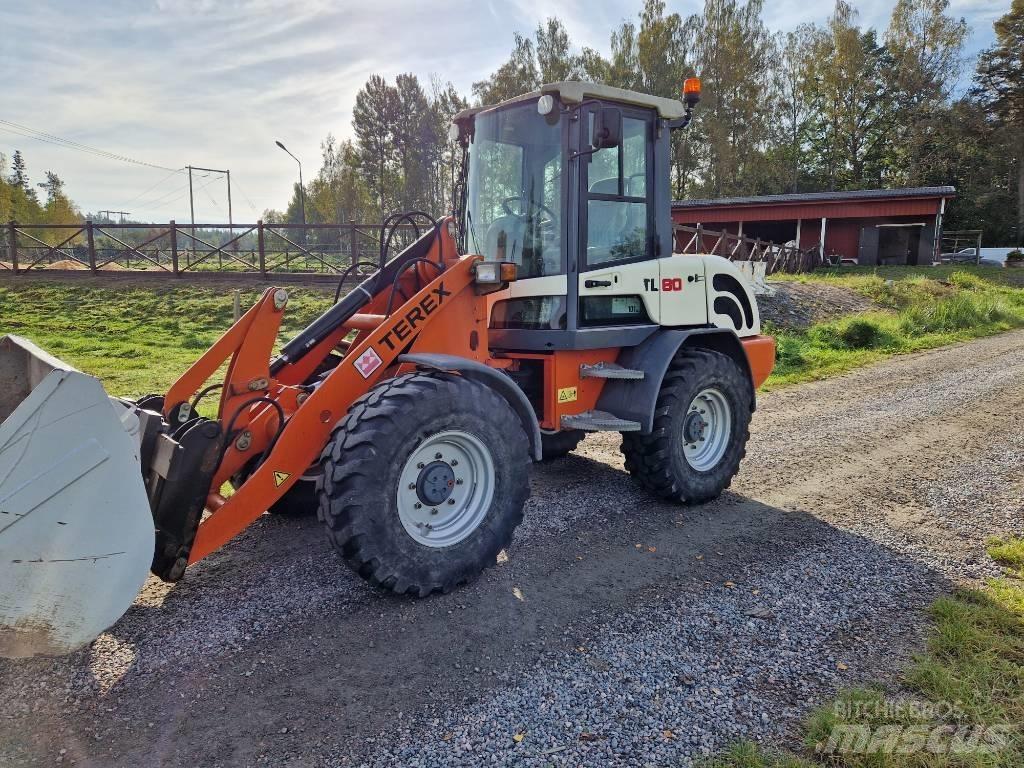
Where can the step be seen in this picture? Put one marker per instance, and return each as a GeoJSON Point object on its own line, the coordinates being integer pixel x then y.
{"type": "Point", "coordinates": [610, 371]}
{"type": "Point", "coordinates": [599, 421]}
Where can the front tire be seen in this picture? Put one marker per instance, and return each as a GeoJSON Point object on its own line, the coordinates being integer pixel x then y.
{"type": "Point", "coordinates": [700, 432]}
{"type": "Point", "coordinates": [424, 482]}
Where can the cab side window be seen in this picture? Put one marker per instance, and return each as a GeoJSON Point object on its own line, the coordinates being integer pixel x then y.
{"type": "Point", "coordinates": [618, 221]}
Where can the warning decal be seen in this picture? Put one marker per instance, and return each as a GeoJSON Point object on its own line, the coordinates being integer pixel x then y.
{"type": "Point", "coordinates": [567, 395]}
{"type": "Point", "coordinates": [368, 362]}
{"type": "Point", "coordinates": [280, 477]}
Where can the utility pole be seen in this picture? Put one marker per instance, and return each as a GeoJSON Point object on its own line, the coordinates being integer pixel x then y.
{"type": "Point", "coordinates": [192, 206]}
{"type": "Point", "coordinates": [111, 214]}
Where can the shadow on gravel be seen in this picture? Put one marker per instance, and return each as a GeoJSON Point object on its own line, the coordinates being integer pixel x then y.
{"type": "Point", "coordinates": [273, 647]}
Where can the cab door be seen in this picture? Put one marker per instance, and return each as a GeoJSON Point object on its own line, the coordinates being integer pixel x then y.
{"type": "Point", "coordinates": [617, 226]}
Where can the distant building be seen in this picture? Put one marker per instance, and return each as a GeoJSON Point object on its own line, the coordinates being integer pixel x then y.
{"type": "Point", "coordinates": [873, 226]}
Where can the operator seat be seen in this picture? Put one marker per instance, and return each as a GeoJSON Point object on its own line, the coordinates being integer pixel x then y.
{"type": "Point", "coordinates": [514, 229]}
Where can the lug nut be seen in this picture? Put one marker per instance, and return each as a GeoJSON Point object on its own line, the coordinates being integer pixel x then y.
{"type": "Point", "coordinates": [458, 481]}
{"type": "Point", "coordinates": [455, 462]}
{"type": "Point", "coordinates": [412, 486]}
{"type": "Point", "coordinates": [437, 456]}
{"type": "Point", "coordinates": [433, 511]}
{"type": "Point", "coordinates": [451, 501]}
{"type": "Point", "coordinates": [417, 505]}
{"type": "Point", "coordinates": [421, 465]}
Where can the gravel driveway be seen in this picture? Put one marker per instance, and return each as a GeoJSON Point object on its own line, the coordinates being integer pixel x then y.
{"type": "Point", "coordinates": [618, 630]}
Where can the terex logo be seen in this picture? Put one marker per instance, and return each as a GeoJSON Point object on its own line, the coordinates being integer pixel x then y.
{"type": "Point", "coordinates": [405, 328]}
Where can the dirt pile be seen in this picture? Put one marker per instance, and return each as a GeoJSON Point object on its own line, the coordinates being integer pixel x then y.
{"type": "Point", "coordinates": [797, 305]}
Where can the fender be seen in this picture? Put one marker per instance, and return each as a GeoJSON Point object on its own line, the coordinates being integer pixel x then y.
{"type": "Point", "coordinates": [494, 379]}
{"type": "Point", "coordinates": [636, 400]}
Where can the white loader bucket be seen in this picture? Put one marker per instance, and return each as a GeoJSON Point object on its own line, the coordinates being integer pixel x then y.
{"type": "Point", "coordinates": [76, 532]}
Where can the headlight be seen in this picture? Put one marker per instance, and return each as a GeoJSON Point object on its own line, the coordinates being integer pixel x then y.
{"type": "Point", "coordinates": [494, 273]}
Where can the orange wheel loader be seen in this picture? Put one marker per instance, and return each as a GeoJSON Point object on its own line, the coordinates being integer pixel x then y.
{"type": "Point", "coordinates": [548, 306]}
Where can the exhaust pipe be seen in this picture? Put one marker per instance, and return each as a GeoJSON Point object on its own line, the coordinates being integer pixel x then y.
{"type": "Point", "coordinates": [76, 531]}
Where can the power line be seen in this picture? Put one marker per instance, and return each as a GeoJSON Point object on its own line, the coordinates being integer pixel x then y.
{"type": "Point", "coordinates": [182, 193]}
{"type": "Point", "coordinates": [150, 189]}
{"type": "Point", "coordinates": [247, 200]}
{"type": "Point", "coordinates": [49, 138]}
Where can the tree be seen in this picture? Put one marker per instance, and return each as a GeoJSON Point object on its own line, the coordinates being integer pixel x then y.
{"type": "Point", "coordinates": [733, 51]}
{"type": "Point", "coordinates": [924, 46]}
{"type": "Point", "coordinates": [19, 172]}
{"type": "Point", "coordinates": [446, 102]}
{"type": "Point", "coordinates": [851, 104]}
{"type": "Point", "coordinates": [374, 118]}
{"type": "Point", "coordinates": [999, 87]}
{"type": "Point", "coordinates": [516, 76]}
{"type": "Point", "coordinates": [416, 137]}
{"type": "Point", "coordinates": [792, 90]}
{"type": "Point", "coordinates": [555, 62]}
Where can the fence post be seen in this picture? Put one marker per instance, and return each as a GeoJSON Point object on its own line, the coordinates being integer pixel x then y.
{"type": "Point", "coordinates": [699, 243]}
{"type": "Point", "coordinates": [91, 242]}
{"type": "Point", "coordinates": [174, 247]}
{"type": "Point", "coordinates": [353, 237]}
{"type": "Point", "coordinates": [259, 245]}
{"type": "Point", "coordinates": [12, 244]}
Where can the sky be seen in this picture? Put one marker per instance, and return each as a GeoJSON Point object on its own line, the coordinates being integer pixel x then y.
{"type": "Point", "coordinates": [214, 83]}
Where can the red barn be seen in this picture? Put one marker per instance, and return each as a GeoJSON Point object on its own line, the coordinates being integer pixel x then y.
{"type": "Point", "coordinates": [873, 226]}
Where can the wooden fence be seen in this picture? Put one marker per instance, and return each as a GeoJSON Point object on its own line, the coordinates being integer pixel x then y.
{"type": "Point", "coordinates": [178, 249]}
{"type": "Point", "coordinates": [263, 248]}
{"type": "Point", "coordinates": [779, 258]}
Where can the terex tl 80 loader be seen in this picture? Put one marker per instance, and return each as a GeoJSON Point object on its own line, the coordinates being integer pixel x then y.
{"type": "Point", "coordinates": [550, 305]}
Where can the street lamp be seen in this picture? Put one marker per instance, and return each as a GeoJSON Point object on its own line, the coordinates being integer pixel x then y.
{"type": "Point", "coordinates": [302, 191]}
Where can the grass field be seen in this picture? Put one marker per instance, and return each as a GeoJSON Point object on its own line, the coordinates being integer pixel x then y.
{"type": "Point", "coordinates": [917, 308]}
{"type": "Point", "coordinates": [138, 339]}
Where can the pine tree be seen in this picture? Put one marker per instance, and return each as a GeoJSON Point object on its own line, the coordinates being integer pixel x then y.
{"type": "Point", "coordinates": [374, 118]}
{"type": "Point", "coordinates": [1000, 88]}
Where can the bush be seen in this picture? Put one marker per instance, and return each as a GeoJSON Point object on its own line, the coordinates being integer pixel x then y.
{"type": "Point", "coordinates": [857, 332]}
{"type": "Point", "coordinates": [1017, 255]}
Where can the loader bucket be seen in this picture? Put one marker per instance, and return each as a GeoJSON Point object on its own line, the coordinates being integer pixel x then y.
{"type": "Point", "coordinates": [76, 532]}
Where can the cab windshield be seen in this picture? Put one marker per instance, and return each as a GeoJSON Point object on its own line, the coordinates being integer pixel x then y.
{"type": "Point", "coordinates": [514, 189]}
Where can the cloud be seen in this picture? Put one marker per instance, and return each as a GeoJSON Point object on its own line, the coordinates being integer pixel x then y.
{"type": "Point", "coordinates": [215, 82]}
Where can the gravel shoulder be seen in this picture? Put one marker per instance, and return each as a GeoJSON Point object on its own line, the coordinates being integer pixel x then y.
{"type": "Point", "coordinates": [616, 630]}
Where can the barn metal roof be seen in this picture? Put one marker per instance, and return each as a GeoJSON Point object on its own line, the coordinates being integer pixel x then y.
{"type": "Point", "coordinates": [819, 197]}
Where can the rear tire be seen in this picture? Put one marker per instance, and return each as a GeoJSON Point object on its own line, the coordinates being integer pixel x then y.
{"type": "Point", "coordinates": [700, 432]}
{"type": "Point", "coordinates": [410, 522]}
{"type": "Point", "coordinates": [558, 444]}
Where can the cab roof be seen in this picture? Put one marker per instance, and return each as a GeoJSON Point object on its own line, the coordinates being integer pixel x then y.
{"type": "Point", "coordinates": [574, 92]}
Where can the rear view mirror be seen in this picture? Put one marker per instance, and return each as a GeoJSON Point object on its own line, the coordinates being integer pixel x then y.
{"type": "Point", "coordinates": [607, 128]}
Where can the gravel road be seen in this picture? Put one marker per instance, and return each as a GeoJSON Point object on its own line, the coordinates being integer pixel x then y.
{"type": "Point", "coordinates": [616, 630]}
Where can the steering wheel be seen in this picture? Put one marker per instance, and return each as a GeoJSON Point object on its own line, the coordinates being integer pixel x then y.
{"type": "Point", "coordinates": [552, 218]}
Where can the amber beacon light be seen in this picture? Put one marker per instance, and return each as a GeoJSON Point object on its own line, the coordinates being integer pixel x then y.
{"type": "Point", "coordinates": [691, 90]}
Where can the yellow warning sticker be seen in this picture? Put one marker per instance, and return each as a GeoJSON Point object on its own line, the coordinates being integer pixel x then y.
{"type": "Point", "coordinates": [280, 477]}
{"type": "Point", "coordinates": [567, 395]}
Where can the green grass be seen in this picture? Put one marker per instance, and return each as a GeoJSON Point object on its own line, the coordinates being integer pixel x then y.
{"type": "Point", "coordinates": [137, 340]}
{"type": "Point", "coordinates": [970, 674]}
{"type": "Point", "coordinates": [918, 308]}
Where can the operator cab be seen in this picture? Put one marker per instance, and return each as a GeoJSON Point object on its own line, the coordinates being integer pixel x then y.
{"type": "Point", "coordinates": [566, 182]}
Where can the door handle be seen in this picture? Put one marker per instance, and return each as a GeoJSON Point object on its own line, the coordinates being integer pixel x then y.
{"type": "Point", "coordinates": [597, 283]}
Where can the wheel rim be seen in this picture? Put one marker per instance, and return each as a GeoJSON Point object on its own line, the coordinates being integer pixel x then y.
{"type": "Point", "coordinates": [707, 427]}
{"type": "Point", "coordinates": [446, 488]}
